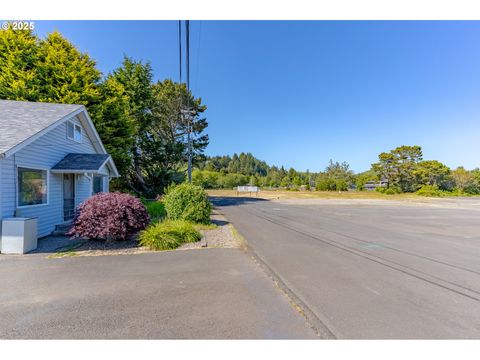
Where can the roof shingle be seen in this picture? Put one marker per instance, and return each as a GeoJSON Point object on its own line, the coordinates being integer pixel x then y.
{"type": "Point", "coordinates": [82, 162]}
{"type": "Point", "coordinates": [20, 120]}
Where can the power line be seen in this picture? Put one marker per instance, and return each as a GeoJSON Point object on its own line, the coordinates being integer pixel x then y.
{"type": "Point", "coordinates": [180, 47]}
{"type": "Point", "coordinates": [198, 57]}
{"type": "Point", "coordinates": [187, 28]}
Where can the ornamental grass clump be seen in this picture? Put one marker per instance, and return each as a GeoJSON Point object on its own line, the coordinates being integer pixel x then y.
{"type": "Point", "coordinates": [187, 202]}
{"type": "Point", "coordinates": [109, 216]}
{"type": "Point", "coordinates": [169, 234]}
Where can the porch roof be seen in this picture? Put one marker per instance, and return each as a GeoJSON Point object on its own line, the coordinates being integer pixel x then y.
{"type": "Point", "coordinates": [81, 163]}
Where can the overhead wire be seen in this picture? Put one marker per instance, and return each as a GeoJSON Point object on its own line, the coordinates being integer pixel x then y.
{"type": "Point", "coordinates": [197, 68]}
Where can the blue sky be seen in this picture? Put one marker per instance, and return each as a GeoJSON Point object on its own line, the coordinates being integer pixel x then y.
{"type": "Point", "coordinates": [298, 93]}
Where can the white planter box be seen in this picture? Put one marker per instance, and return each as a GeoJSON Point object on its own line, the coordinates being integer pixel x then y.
{"type": "Point", "coordinates": [19, 235]}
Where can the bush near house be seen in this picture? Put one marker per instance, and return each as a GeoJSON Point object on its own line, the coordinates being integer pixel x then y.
{"type": "Point", "coordinates": [187, 202]}
{"type": "Point", "coordinates": [169, 234]}
{"type": "Point", "coordinates": [155, 208]}
{"type": "Point", "coordinates": [109, 216]}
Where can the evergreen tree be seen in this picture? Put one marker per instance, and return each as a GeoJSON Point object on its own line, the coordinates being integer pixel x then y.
{"type": "Point", "coordinates": [19, 57]}
{"type": "Point", "coordinates": [135, 79]}
{"type": "Point", "coordinates": [398, 167]}
{"type": "Point", "coordinates": [116, 127]}
{"type": "Point", "coordinates": [66, 75]}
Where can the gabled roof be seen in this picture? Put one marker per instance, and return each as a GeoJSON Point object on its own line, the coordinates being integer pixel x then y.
{"type": "Point", "coordinates": [80, 163]}
{"type": "Point", "coordinates": [21, 120]}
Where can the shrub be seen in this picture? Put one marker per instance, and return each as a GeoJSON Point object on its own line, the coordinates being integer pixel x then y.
{"type": "Point", "coordinates": [341, 185]}
{"type": "Point", "coordinates": [169, 234]}
{"type": "Point", "coordinates": [109, 216]}
{"type": "Point", "coordinates": [429, 190]}
{"type": "Point", "coordinates": [325, 184]}
{"type": "Point", "coordinates": [457, 192]}
{"type": "Point", "coordinates": [392, 190]}
{"type": "Point", "coordinates": [187, 202]}
{"type": "Point", "coordinates": [156, 209]}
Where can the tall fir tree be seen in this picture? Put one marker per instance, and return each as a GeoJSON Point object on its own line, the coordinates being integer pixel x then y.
{"type": "Point", "coordinates": [19, 58]}
{"type": "Point", "coordinates": [67, 75]}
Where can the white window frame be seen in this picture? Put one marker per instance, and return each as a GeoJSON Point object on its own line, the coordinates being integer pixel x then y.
{"type": "Point", "coordinates": [92, 183]}
{"type": "Point", "coordinates": [75, 126]}
{"type": "Point", "coordinates": [28, 167]}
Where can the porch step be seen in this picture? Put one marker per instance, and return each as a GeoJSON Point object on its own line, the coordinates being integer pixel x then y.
{"type": "Point", "coordinates": [62, 229]}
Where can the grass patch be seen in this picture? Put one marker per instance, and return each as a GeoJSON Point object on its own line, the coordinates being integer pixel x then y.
{"type": "Point", "coordinates": [210, 226]}
{"type": "Point", "coordinates": [169, 235]}
{"type": "Point", "coordinates": [283, 194]}
{"type": "Point", "coordinates": [66, 252]}
{"type": "Point", "coordinates": [238, 237]}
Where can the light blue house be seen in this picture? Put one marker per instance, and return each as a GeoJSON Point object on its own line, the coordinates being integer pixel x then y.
{"type": "Point", "coordinates": [51, 160]}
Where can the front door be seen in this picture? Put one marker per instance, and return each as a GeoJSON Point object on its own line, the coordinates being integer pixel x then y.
{"type": "Point", "coordinates": [68, 196]}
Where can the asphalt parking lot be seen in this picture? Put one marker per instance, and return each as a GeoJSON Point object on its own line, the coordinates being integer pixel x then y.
{"type": "Point", "coordinates": [189, 294]}
{"type": "Point", "coordinates": [372, 269]}
{"type": "Point", "coordinates": [355, 269]}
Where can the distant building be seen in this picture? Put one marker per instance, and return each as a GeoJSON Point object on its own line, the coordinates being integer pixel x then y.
{"type": "Point", "coordinates": [372, 185]}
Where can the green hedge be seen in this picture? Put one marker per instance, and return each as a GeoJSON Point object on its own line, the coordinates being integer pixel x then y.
{"type": "Point", "coordinates": [156, 209]}
{"type": "Point", "coordinates": [187, 202]}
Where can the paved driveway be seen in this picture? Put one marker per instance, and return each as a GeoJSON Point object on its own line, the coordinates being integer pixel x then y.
{"type": "Point", "coordinates": [373, 269]}
{"type": "Point", "coordinates": [200, 294]}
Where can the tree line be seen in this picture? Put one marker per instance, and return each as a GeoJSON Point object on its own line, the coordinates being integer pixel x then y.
{"type": "Point", "coordinates": [401, 170]}
{"type": "Point", "coordinates": [143, 127]}
{"type": "Point", "coordinates": [140, 121]}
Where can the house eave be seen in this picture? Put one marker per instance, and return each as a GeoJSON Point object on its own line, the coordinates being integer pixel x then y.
{"type": "Point", "coordinates": [76, 171]}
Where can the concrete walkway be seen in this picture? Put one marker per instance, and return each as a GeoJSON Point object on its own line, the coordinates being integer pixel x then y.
{"type": "Point", "coordinates": [52, 244]}
{"type": "Point", "coordinates": [189, 294]}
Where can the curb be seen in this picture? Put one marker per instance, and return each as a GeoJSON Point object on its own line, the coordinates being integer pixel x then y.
{"type": "Point", "coordinates": [317, 325]}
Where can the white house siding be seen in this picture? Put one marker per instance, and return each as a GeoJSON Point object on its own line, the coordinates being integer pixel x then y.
{"type": "Point", "coordinates": [45, 152]}
{"type": "Point", "coordinates": [106, 183]}
{"type": "Point", "coordinates": [0, 201]}
{"type": "Point", "coordinates": [106, 179]}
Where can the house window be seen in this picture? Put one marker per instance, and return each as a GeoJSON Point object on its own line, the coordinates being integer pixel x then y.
{"type": "Point", "coordinates": [97, 184]}
{"type": "Point", "coordinates": [74, 131]}
{"type": "Point", "coordinates": [32, 187]}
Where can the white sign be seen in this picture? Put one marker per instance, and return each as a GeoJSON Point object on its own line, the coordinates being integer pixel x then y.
{"type": "Point", "coordinates": [247, 188]}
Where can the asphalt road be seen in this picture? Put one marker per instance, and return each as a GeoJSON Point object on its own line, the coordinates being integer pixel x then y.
{"type": "Point", "coordinates": [190, 294]}
{"type": "Point", "coordinates": [372, 270]}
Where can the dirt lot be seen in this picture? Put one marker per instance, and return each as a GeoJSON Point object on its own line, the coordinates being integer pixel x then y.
{"type": "Point", "coordinates": [283, 194]}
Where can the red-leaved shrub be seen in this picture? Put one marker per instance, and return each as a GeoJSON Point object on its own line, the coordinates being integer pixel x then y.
{"type": "Point", "coordinates": [108, 216]}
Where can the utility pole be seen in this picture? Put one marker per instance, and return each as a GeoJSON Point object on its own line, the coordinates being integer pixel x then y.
{"type": "Point", "coordinates": [189, 115]}
{"type": "Point", "coordinates": [180, 48]}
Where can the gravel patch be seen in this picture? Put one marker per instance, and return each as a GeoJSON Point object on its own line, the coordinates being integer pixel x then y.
{"type": "Point", "coordinates": [100, 248]}
{"type": "Point", "coordinates": [222, 236]}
